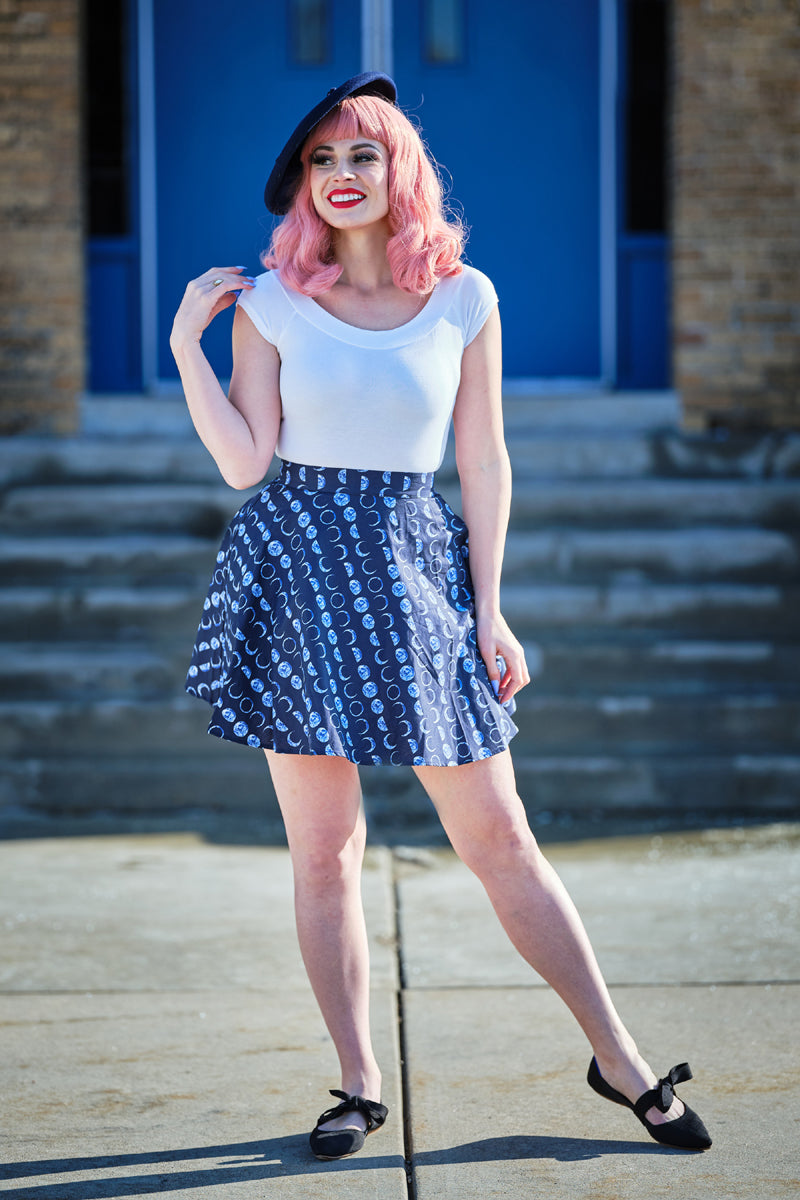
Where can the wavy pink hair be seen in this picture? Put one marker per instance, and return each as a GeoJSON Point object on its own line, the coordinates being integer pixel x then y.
{"type": "Point", "coordinates": [425, 245]}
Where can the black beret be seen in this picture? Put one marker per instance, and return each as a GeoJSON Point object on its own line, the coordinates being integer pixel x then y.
{"type": "Point", "coordinates": [282, 183]}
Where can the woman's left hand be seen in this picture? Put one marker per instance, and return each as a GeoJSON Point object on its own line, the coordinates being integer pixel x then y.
{"type": "Point", "coordinates": [496, 641]}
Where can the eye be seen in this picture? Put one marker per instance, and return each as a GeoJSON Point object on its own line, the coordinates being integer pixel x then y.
{"type": "Point", "coordinates": [320, 159]}
{"type": "Point", "coordinates": [368, 156]}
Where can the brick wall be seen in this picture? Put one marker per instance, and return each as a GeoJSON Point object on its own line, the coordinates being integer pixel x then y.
{"type": "Point", "coordinates": [42, 339]}
{"type": "Point", "coordinates": [736, 211]}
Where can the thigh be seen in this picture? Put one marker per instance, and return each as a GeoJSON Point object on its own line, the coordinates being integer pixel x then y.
{"type": "Point", "coordinates": [478, 805]}
{"type": "Point", "coordinates": [320, 801]}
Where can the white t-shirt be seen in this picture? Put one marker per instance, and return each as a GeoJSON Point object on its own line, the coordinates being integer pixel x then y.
{"type": "Point", "coordinates": [373, 400]}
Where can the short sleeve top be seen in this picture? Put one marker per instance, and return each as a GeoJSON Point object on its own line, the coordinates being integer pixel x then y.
{"type": "Point", "coordinates": [363, 398]}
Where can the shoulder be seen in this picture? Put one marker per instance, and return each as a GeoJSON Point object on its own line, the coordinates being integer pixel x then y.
{"type": "Point", "coordinates": [471, 284]}
{"type": "Point", "coordinates": [471, 297]}
{"type": "Point", "coordinates": [267, 305]}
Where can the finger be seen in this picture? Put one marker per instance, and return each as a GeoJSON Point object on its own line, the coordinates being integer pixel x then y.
{"type": "Point", "coordinates": [221, 279]}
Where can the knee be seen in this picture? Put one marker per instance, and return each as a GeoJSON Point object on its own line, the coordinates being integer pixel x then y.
{"type": "Point", "coordinates": [500, 843]}
{"type": "Point", "coordinates": [320, 862]}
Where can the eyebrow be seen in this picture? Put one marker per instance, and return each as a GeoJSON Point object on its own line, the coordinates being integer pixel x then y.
{"type": "Point", "coordinates": [355, 146]}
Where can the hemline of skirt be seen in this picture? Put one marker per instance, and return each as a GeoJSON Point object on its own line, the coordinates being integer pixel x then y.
{"type": "Point", "coordinates": [251, 742]}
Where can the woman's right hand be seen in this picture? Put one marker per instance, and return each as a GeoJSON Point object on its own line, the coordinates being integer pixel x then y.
{"type": "Point", "coordinates": [203, 299]}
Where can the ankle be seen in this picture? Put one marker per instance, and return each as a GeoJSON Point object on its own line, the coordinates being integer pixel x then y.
{"type": "Point", "coordinates": [366, 1083]}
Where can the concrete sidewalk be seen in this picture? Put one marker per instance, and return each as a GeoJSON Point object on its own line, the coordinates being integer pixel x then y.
{"type": "Point", "coordinates": [158, 1035]}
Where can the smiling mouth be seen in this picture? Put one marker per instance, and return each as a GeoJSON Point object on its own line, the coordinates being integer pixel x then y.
{"type": "Point", "coordinates": [345, 199]}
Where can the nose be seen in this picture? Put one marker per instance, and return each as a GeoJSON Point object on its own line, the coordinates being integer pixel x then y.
{"type": "Point", "coordinates": [343, 171]}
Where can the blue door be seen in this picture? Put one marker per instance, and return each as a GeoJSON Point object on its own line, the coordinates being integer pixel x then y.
{"type": "Point", "coordinates": [231, 82]}
{"type": "Point", "coordinates": [507, 94]}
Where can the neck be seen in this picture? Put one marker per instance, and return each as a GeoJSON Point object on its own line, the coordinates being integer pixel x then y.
{"type": "Point", "coordinates": [361, 253]}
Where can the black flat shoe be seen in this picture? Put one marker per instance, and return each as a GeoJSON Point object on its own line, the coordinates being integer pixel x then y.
{"type": "Point", "coordinates": [328, 1144]}
{"type": "Point", "coordinates": [687, 1131]}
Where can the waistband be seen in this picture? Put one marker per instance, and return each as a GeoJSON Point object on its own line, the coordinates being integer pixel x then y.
{"type": "Point", "coordinates": [346, 479]}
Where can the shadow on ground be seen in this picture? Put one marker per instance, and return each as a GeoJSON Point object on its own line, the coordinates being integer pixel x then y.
{"type": "Point", "coordinates": [282, 1157]}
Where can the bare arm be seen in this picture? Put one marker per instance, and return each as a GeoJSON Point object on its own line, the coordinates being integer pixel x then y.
{"type": "Point", "coordinates": [239, 430]}
{"type": "Point", "coordinates": [485, 474]}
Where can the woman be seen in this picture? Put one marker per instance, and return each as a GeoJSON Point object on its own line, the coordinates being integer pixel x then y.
{"type": "Point", "coordinates": [349, 622]}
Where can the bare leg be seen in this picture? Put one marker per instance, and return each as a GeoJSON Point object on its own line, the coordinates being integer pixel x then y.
{"type": "Point", "coordinates": [320, 799]}
{"type": "Point", "coordinates": [486, 823]}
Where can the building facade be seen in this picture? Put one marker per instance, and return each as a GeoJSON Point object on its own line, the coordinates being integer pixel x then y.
{"type": "Point", "coordinates": [629, 170]}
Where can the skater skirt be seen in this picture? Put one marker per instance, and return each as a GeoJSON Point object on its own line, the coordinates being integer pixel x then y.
{"type": "Point", "coordinates": [340, 620]}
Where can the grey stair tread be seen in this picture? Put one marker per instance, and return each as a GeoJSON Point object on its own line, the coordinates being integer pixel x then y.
{"type": "Point", "coordinates": [552, 723]}
{"type": "Point", "coordinates": [167, 415]}
{"type": "Point", "coordinates": [662, 502]}
{"type": "Point", "coordinates": [707, 609]}
{"type": "Point", "coordinates": [114, 558]}
{"type": "Point", "coordinates": [599, 453]}
{"type": "Point", "coordinates": [648, 724]}
{"type": "Point", "coordinates": [713, 609]}
{"type": "Point", "coordinates": [759, 786]}
{"type": "Point", "coordinates": [691, 554]}
{"type": "Point", "coordinates": [657, 666]}
{"type": "Point", "coordinates": [695, 553]}
{"type": "Point", "coordinates": [81, 613]}
{"type": "Point", "coordinates": [554, 788]}
{"type": "Point", "coordinates": [704, 609]}
{"type": "Point", "coordinates": [625, 503]}
{"type": "Point", "coordinates": [186, 507]}
{"type": "Point", "coordinates": [94, 459]}
{"type": "Point", "coordinates": [581, 410]}
{"type": "Point", "coordinates": [92, 669]}
{"type": "Point", "coordinates": [69, 670]}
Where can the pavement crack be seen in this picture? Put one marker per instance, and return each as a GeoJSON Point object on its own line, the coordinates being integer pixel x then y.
{"type": "Point", "coordinates": [408, 1145]}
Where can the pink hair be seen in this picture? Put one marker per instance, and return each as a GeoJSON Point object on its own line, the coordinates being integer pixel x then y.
{"type": "Point", "coordinates": [425, 245]}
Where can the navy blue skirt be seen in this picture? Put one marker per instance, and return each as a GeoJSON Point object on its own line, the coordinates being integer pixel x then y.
{"type": "Point", "coordinates": [340, 620]}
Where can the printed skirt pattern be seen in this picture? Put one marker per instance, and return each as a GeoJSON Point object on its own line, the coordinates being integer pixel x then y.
{"type": "Point", "coordinates": [340, 621]}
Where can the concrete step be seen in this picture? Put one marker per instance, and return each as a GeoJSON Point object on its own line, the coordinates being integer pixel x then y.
{"type": "Point", "coordinates": [644, 725]}
{"type": "Point", "coordinates": [549, 724]}
{"type": "Point", "coordinates": [602, 455]}
{"type": "Point", "coordinates": [573, 409]}
{"type": "Point", "coordinates": [156, 614]}
{"type": "Point", "coordinates": [90, 671]}
{"type": "Point", "coordinates": [667, 790]}
{"type": "Point", "coordinates": [205, 510]}
{"type": "Point", "coordinates": [668, 668]}
{"type": "Point", "coordinates": [659, 503]}
{"type": "Point", "coordinates": [104, 460]}
{"type": "Point", "coordinates": [195, 509]}
{"type": "Point", "coordinates": [120, 559]}
{"type": "Point", "coordinates": [583, 611]}
{"type": "Point", "coordinates": [634, 555]}
{"type": "Point", "coordinates": [535, 454]}
{"type": "Point", "coordinates": [706, 610]}
{"type": "Point", "coordinates": [614, 556]}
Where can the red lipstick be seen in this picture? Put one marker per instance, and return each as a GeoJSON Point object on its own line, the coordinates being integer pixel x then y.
{"type": "Point", "coordinates": [345, 197]}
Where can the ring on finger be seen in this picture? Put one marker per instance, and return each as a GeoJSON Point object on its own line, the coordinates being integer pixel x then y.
{"type": "Point", "coordinates": [216, 282]}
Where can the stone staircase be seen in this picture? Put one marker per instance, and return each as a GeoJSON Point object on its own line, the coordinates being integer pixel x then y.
{"type": "Point", "coordinates": [653, 577]}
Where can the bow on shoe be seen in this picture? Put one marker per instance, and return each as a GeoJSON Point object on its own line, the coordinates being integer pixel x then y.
{"type": "Point", "coordinates": [374, 1114]}
{"type": "Point", "coordinates": [662, 1095]}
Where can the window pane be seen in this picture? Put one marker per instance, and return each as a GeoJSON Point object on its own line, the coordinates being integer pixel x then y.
{"type": "Point", "coordinates": [443, 31]}
{"type": "Point", "coordinates": [308, 31]}
{"type": "Point", "coordinates": [646, 116]}
{"type": "Point", "coordinates": [107, 118]}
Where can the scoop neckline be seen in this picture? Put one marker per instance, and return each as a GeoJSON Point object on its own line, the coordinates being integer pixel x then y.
{"type": "Point", "coordinates": [399, 335]}
{"type": "Point", "coordinates": [363, 328]}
